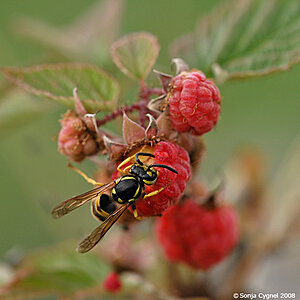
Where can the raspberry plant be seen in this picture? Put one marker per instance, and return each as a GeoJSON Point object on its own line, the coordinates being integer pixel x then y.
{"type": "Point", "coordinates": [196, 229]}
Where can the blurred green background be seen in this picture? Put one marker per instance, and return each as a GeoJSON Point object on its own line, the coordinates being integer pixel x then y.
{"type": "Point", "coordinates": [263, 112]}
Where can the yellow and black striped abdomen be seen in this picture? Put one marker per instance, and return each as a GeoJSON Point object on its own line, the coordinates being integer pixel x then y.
{"type": "Point", "coordinates": [102, 207]}
{"type": "Point", "coordinates": [128, 188]}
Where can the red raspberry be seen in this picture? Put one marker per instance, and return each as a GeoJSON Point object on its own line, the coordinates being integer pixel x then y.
{"type": "Point", "coordinates": [75, 140]}
{"type": "Point", "coordinates": [112, 283]}
{"type": "Point", "coordinates": [196, 235]}
{"type": "Point", "coordinates": [176, 157]}
{"type": "Point", "coordinates": [172, 155]}
{"type": "Point", "coordinates": [194, 103]}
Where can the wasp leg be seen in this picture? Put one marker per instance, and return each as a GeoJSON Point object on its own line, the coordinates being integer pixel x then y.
{"type": "Point", "coordinates": [88, 179]}
{"type": "Point", "coordinates": [154, 192]}
{"type": "Point", "coordinates": [127, 160]}
{"type": "Point", "coordinates": [124, 162]}
{"type": "Point", "coordinates": [135, 213]}
{"type": "Point", "coordinates": [127, 168]}
{"type": "Point", "coordinates": [157, 191]}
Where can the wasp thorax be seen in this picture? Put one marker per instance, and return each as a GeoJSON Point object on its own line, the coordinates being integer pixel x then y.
{"type": "Point", "coordinates": [146, 173]}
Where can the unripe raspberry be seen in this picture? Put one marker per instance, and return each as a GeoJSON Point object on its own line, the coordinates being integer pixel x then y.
{"type": "Point", "coordinates": [194, 103]}
{"type": "Point", "coordinates": [197, 235]}
{"type": "Point", "coordinates": [76, 140]}
{"type": "Point", "coordinates": [112, 283]}
{"type": "Point", "coordinates": [172, 155]}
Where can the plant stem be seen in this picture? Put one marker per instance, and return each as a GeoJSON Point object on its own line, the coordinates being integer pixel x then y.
{"type": "Point", "coordinates": [145, 93]}
{"type": "Point", "coordinates": [119, 112]}
{"type": "Point", "coordinates": [143, 111]}
{"type": "Point", "coordinates": [141, 105]}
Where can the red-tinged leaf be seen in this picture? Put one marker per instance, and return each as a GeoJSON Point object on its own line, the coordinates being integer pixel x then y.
{"type": "Point", "coordinates": [152, 129]}
{"type": "Point", "coordinates": [132, 131]}
{"type": "Point", "coordinates": [114, 148]}
{"type": "Point", "coordinates": [157, 104]}
{"type": "Point", "coordinates": [164, 125]}
{"type": "Point", "coordinates": [164, 79]}
{"type": "Point", "coordinates": [180, 65]}
{"type": "Point", "coordinates": [96, 89]}
{"type": "Point", "coordinates": [135, 54]}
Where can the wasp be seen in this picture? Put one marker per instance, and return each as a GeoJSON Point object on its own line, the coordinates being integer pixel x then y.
{"type": "Point", "coordinates": [125, 190]}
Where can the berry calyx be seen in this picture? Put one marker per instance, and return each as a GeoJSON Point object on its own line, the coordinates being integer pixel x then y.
{"type": "Point", "coordinates": [194, 103]}
{"type": "Point", "coordinates": [112, 283]}
{"type": "Point", "coordinates": [198, 236]}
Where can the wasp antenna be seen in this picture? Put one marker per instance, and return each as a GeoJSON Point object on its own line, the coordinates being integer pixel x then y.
{"type": "Point", "coordinates": [164, 166]}
{"type": "Point", "coordinates": [142, 154]}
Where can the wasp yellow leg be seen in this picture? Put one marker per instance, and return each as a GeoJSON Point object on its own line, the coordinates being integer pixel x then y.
{"type": "Point", "coordinates": [88, 179]}
{"type": "Point", "coordinates": [154, 192]}
{"type": "Point", "coordinates": [127, 160]}
{"type": "Point", "coordinates": [124, 162]}
{"type": "Point", "coordinates": [135, 213]}
{"type": "Point", "coordinates": [157, 191]}
{"type": "Point", "coordinates": [127, 168]}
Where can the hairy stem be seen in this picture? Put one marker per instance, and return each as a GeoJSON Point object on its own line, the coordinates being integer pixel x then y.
{"type": "Point", "coordinates": [145, 93]}
{"type": "Point", "coordinates": [140, 106]}
{"type": "Point", "coordinates": [152, 91]}
{"type": "Point", "coordinates": [118, 112]}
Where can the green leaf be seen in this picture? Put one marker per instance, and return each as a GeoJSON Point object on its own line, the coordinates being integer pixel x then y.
{"type": "Point", "coordinates": [18, 108]}
{"type": "Point", "coordinates": [96, 89]}
{"type": "Point", "coordinates": [56, 272]}
{"type": "Point", "coordinates": [135, 54]}
{"type": "Point", "coordinates": [244, 38]}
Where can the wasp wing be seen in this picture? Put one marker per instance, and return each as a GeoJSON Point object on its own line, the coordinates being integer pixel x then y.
{"type": "Point", "coordinates": [75, 202]}
{"type": "Point", "coordinates": [97, 234]}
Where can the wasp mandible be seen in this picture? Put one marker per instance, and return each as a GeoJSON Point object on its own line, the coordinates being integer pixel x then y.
{"type": "Point", "coordinates": [126, 190]}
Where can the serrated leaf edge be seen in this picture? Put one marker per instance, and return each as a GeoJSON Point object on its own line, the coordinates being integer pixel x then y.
{"type": "Point", "coordinates": [37, 68]}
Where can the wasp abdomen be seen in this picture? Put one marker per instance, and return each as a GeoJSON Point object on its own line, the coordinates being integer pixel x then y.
{"type": "Point", "coordinates": [127, 188]}
{"type": "Point", "coordinates": [102, 207]}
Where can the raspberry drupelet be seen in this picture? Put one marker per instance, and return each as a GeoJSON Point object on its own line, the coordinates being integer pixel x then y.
{"type": "Point", "coordinates": [196, 235]}
{"type": "Point", "coordinates": [194, 103]}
